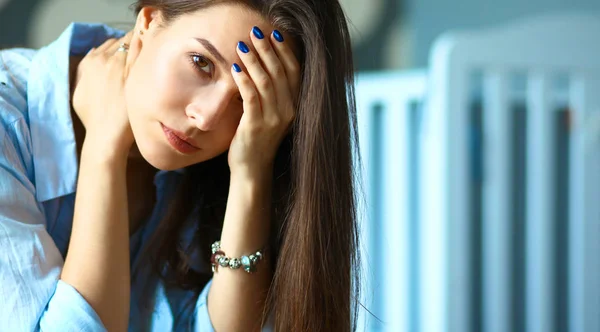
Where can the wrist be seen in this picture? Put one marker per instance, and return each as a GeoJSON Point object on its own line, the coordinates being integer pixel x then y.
{"type": "Point", "coordinates": [103, 153]}
{"type": "Point", "coordinates": [255, 175]}
{"type": "Point", "coordinates": [247, 224]}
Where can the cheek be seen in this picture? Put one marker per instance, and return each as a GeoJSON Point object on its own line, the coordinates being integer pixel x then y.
{"type": "Point", "coordinates": [169, 85]}
{"type": "Point", "coordinates": [229, 126]}
{"type": "Point", "coordinates": [220, 138]}
{"type": "Point", "coordinates": [155, 84]}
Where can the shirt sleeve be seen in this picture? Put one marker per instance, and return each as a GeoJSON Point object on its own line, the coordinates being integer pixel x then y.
{"type": "Point", "coordinates": [202, 319]}
{"type": "Point", "coordinates": [30, 263]}
{"type": "Point", "coordinates": [69, 311]}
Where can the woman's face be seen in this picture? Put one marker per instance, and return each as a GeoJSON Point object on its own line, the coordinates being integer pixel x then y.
{"type": "Point", "coordinates": [180, 83]}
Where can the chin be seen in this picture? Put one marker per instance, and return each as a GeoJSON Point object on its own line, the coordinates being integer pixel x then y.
{"type": "Point", "coordinates": [158, 155]}
{"type": "Point", "coordinates": [161, 163]}
{"type": "Point", "coordinates": [160, 158]}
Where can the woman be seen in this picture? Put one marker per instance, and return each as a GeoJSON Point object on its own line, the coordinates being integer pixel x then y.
{"type": "Point", "coordinates": [124, 161]}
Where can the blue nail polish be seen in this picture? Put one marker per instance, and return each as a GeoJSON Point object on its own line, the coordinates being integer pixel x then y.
{"type": "Point", "coordinates": [243, 47]}
{"type": "Point", "coordinates": [278, 36]}
{"type": "Point", "coordinates": [237, 68]}
{"type": "Point", "coordinates": [257, 33]}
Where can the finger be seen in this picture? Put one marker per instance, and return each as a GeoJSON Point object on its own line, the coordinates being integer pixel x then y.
{"type": "Point", "coordinates": [288, 59]}
{"type": "Point", "coordinates": [249, 93]}
{"type": "Point", "coordinates": [118, 57]}
{"type": "Point", "coordinates": [260, 78]}
{"type": "Point", "coordinates": [273, 66]}
{"type": "Point", "coordinates": [102, 48]}
{"type": "Point", "coordinates": [118, 61]}
{"type": "Point", "coordinates": [127, 37]}
{"type": "Point", "coordinates": [106, 45]}
{"type": "Point", "coordinates": [121, 49]}
{"type": "Point", "coordinates": [119, 42]}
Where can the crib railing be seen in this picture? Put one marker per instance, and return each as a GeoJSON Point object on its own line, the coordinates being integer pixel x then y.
{"type": "Point", "coordinates": [482, 180]}
{"type": "Point", "coordinates": [389, 112]}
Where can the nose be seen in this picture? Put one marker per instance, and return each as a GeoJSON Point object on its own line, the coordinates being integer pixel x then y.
{"type": "Point", "coordinates": [206, 111]}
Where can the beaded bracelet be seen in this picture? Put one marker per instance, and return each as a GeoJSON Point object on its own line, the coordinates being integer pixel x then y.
{"type": "Point", "coordinates": [247, 262]}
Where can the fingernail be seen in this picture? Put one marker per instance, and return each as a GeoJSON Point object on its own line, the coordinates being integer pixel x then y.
{"type": "Point", "coordinates": [237, 68]}
{"type": "Point", "coordinates": [243, 47]}
{"type": "Point", "coordinates": [259, 34]}
{"type": "Point", "coordinates": [278, 36]}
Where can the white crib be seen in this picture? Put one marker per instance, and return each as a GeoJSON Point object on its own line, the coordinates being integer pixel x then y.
{"type": "Point", "coordinates": [482, 182]}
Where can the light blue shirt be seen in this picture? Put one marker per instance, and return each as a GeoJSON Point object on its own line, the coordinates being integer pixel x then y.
{"type": "Point", "coordinates": [38, 173]}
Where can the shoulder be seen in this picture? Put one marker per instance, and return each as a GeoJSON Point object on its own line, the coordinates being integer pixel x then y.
{"type": "Point", "coordinates": [14, 123]}
{"type": "Point", "coordinates": [14, 71]}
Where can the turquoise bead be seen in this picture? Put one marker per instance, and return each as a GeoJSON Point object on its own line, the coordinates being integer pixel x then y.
{"type": "Point", "coordinates": [247, 264]}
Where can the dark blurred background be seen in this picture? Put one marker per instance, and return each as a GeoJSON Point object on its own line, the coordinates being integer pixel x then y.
{"type": "Point", "coordinates": [387, 34]}
{"type": "Point", "coordinates": [434, 272]}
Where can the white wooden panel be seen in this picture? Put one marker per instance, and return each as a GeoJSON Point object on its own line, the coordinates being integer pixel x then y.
{"type": "Point", "coordinates": [460, 283]}
{"type": "Point", "coordinates": [433, 202]}
{"type": "Point", "coordinates": [497, 204]}
{"type": "Point", "coordinates": [584, 240]}
{"type": "Point", "coordinates": [540, 204]}
{"type": "Point", "coordinates": [395, 232]}
{"type": "Point", "coordinates": [364, 107]}
{"type": "Point", "coordinates": [386, 255]}
{"type": "Point", "coordinates": [445, 202]}
{"type": "Point", "coordinates": [562, 42]}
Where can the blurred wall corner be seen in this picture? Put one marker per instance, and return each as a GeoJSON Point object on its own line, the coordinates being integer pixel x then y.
{"type": "Point", "coordinates": [15, 21]}
{"type": "Point", "coordinates": [378, 34]}
{"type": "Point", "coordinates": [431, 18]}
{"type": "Point", "coordinates": [51, 17]}
{"type": "Point", "coordinates": [36, 23]}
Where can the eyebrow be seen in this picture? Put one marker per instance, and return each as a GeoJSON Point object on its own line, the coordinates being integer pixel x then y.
{"type": "Point", "coordinates": [213, 50]}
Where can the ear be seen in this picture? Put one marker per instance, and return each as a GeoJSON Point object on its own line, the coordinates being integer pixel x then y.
{"type": "Point", "coordinates": [147, 22]}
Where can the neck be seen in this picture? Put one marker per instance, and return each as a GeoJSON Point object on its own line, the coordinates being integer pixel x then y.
{"type": "Point", "coordinates": [135, 157]}
{"type": "Point", "coordinates": [140, 174]}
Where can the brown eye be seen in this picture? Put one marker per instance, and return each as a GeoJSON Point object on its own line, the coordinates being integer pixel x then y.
{"type": "Point", "coordinates": [201, 63]}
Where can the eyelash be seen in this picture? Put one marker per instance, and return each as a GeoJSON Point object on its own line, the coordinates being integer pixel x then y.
{"type": "Point", "coordinates": [193, 57]}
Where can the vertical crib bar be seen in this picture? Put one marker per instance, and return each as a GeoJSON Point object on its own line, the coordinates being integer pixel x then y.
{"type": "Point", "coordinates": [434, 203]}
{"type": "Point", "coordinates": [497, 204]}
{"type": "Point", "coordinates": [584, 276]}
{"type": "Point", "coordinates": [446, 238]}
{"type": "Point", "coordinates": [383, 109]}
{"type": "Point", "coordinates": [368, 295]}
{"type": "Point", "coordinates": [540, 200]}
{"type": "Point", "coordinates": [459, 229]}
{"type": "Point", "coordinates": [395, 232]}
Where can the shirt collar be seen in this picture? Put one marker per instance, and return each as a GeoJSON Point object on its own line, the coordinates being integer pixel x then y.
{"type": "Point", "coordinates": [53, 139]}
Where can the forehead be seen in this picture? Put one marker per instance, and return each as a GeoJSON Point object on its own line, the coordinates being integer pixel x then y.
{"type": "Point", "coordinates": [222, 24]}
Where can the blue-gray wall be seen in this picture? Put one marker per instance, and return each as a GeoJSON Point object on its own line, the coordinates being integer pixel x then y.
{"type": "Point", "coordinates": [397, 34]}
{"type": "Point", "coordinates": [428, 18]}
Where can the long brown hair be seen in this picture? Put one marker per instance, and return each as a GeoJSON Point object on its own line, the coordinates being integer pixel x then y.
{"type": "Point", "coordinates": [314, 239]}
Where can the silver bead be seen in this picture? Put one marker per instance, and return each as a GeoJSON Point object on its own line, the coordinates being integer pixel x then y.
{"type": "Point", "coordinates": [215, 246]}
{"type": "Point", "coordinates": [253, 259]}
{"type": "Point", "coordinates": [235, 263]}
{"type": "Point", "coordinates": [223, 261]}
{"type": "Point", "coordinates": [258, 255]}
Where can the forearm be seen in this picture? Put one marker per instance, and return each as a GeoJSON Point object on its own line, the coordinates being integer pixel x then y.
{"type": "Point", "coordinates": [236, 298]}
{"type": "Point", "coordinates": [97, 263]}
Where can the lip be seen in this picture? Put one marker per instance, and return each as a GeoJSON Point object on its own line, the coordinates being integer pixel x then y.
{"type": "Point", "coordinates": [179, 141]}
